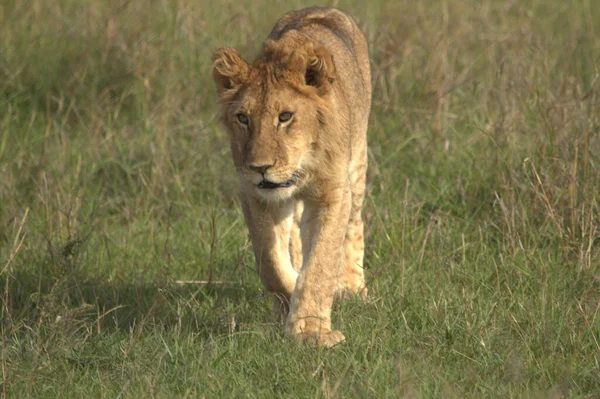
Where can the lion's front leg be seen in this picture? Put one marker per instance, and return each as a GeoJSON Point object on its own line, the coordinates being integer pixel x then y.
{"type": "Point", "coordinates": [296, 238]}
{"type": "Point", "coordinates": [270, 226]}
{"type": "Point", "coordinates": [323, 232]}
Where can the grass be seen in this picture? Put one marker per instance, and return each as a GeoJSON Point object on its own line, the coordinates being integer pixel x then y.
{"type": "Point", "coordinates": [125, 265]}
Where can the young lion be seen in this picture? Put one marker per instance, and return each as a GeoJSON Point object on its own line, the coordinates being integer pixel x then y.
{"type": "Point", "coordinates": [298, 118]}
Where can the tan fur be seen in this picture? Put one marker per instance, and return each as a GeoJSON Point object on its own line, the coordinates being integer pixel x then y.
{"type": "Point", "coordinates": [307, 230]}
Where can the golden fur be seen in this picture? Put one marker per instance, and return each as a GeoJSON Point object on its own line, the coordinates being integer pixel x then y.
{"type": "Point", "coordinates": [298, 118]}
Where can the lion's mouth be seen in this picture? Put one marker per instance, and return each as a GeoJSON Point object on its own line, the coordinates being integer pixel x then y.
{"type": "Point", "coordinates": [269, 185]}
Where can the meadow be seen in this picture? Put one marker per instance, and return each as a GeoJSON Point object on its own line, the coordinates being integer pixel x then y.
{"type": "Point", "coordinates": [125, 265]}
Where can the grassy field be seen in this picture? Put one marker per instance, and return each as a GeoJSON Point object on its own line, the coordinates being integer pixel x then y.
{"type": "Point", "coordinates": [125, 264]}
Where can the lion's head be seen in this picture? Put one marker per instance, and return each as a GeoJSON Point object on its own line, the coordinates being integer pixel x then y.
{"type": "Point", "coordinates": [274, 110]}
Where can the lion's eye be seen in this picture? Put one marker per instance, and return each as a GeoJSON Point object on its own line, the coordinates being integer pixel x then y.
{"type": "Point", "coordinates": [243, 118]}
{"type": "Point", "coordinates": [285, 116]}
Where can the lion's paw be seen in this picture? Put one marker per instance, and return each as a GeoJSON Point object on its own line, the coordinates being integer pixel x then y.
{"type": "Point", "coordinates": [323, 338]}
{"type": "Point", "coordinates": [344, 293]}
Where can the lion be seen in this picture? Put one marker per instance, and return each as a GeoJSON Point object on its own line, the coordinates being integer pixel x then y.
{"type": "Point", "coordinates": [297, 118]}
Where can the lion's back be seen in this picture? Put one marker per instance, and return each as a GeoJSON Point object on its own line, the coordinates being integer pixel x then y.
{"type": "Point", "coordinates": [337, 32]}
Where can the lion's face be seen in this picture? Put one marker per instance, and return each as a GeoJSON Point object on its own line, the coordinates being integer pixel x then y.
{"type": "Point", "coordinates": [272, 130]}
{"type": "Point", "coordinates": [273, 111]}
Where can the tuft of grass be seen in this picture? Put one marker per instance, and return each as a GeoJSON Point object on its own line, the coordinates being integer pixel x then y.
{"type": "Point", "coordinates": [125, 267]}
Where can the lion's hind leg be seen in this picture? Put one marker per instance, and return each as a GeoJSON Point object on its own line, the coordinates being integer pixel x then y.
{"type": "Point", "coordinates": [352, 277]}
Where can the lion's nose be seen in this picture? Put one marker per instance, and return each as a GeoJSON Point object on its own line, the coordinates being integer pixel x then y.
{"type": "Point", "coordinates": [260, 168]}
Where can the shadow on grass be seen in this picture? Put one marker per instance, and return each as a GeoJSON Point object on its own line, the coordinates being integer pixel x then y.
{"type": "Point", "coordinates": [45, 301]}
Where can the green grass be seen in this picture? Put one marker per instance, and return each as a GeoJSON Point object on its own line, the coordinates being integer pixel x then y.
{"type": "Point", "coordinates": [483, 212]}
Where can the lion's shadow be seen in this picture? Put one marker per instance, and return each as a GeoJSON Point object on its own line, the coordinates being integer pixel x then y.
{"type": "Point", "coordinates": [79, 303]}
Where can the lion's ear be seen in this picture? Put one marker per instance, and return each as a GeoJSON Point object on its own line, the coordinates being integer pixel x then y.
{"type": "Point", "coordinates": [320, 71]}
{"type": "Point", "coordinates": [317, 66]}
{"type": "Point", "coordinates": [229, 69]}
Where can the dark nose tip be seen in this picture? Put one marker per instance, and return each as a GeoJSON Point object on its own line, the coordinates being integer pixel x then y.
{"type": "Point", "coordinates": [259, 168]}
